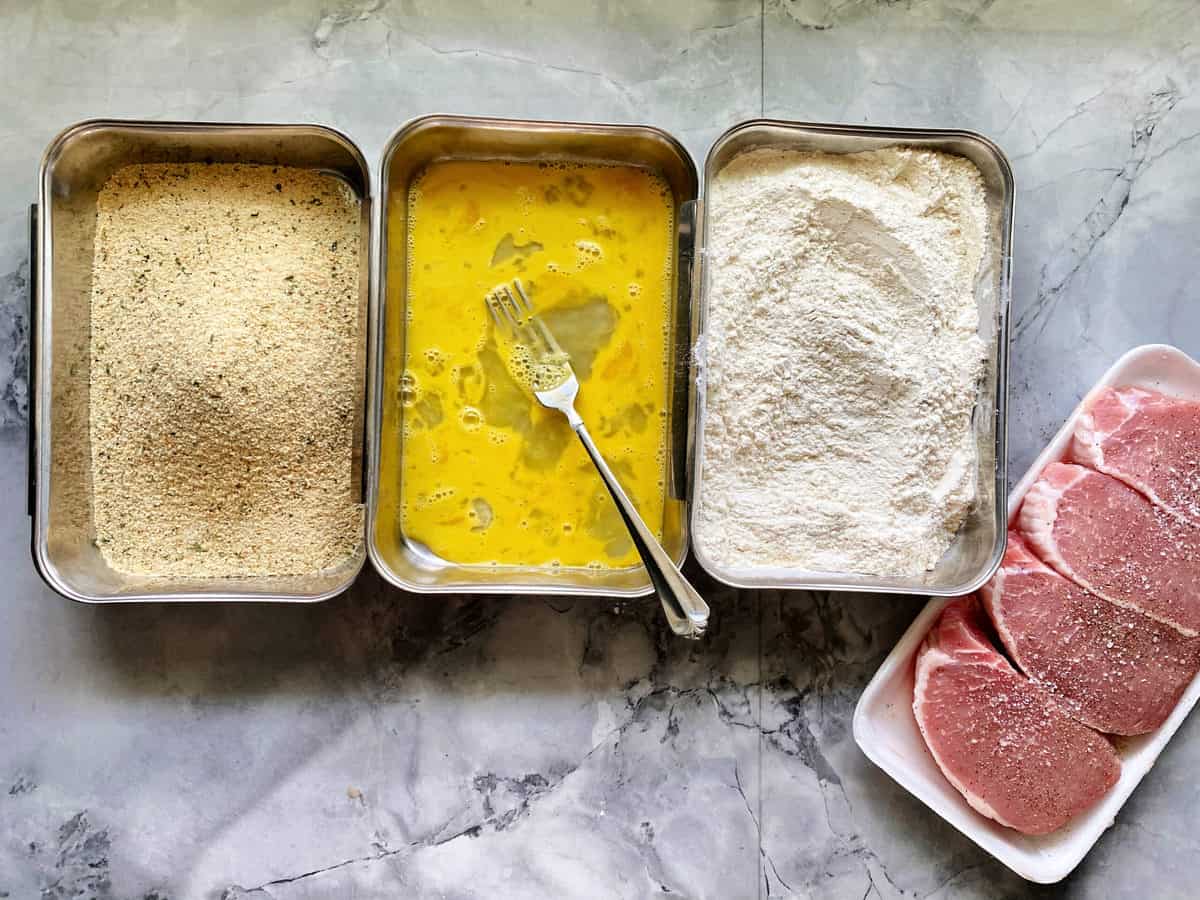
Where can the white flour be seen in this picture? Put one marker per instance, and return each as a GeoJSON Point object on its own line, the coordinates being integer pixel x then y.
{"type": "Point", "coordinates": [841, 360]}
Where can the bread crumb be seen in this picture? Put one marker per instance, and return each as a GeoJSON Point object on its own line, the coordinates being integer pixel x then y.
{"type": "Point", "coordinates": [225, 370]}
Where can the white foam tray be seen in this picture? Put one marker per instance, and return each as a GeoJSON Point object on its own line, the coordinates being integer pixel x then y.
{"type": "Point", "coordinates": [886, 730]}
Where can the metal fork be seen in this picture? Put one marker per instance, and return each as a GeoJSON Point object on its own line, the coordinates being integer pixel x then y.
{"type": "Point", "coordinates": [685, 609]}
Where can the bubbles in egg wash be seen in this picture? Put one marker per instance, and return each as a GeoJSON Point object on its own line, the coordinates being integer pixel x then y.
{"type": "Point", "coordinates": [603, 234]}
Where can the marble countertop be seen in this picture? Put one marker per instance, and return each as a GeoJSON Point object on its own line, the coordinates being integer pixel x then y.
{"type": "Point", "coordinates": [384, 745]}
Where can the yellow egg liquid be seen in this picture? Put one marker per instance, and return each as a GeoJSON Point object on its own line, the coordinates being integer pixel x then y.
{"type": "Point", "coordinates": [489, 476]}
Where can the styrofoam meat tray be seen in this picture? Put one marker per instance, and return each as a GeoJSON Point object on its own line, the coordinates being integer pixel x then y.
{"type": "Point", "coordinates": [887, 732]}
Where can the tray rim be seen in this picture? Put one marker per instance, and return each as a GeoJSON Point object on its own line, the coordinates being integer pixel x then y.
{"type": "Point", "coordinates": [40, 372]}
{"type": "Point", "coordinates": [375, 365]}
{"type": "Point", "coordinates": [798, 579]}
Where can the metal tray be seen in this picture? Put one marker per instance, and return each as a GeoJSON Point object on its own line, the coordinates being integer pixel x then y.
{"type": "Point", "coordinates": [75, 166]}
{"type": "Point", "coordinates": [433, 138]}
{"type": "Point", "coordinates": [977, 549]}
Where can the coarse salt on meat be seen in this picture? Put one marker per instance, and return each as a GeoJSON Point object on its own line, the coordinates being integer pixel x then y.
{"type": "Point", "coordinates": [1001, 740]}
{"type": "Point", "coordinates": [1148, 440]}
{"type": "Point", "coordinates": [1109, 539]}
{"type": "Point", "coordinates": [1111, 668]}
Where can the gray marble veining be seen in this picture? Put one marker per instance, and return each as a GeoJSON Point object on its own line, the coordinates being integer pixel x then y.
{"type": "Point", "coordinates": [385, 745]}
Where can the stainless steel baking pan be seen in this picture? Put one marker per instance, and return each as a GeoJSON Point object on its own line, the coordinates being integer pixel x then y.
{"type": "Point", "coordinates": [412, 148]}
{"type": "Point", "coordinates": [977, 549]}
{"type": "Point", "coordinates": [75, 166]}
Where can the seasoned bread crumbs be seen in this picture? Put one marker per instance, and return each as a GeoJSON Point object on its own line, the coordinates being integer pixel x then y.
{"type": "Point", "coordinates": [225, 370]}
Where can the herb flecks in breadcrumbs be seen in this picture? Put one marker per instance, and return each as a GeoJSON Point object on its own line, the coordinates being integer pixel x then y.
{"type": "Point", "coordinates": [224, 370]}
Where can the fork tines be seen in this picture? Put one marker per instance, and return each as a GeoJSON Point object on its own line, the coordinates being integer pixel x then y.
{"type": "Point", "coordinates": [502, 303]}
{"type": "Point", "coordinates": [518, 313]}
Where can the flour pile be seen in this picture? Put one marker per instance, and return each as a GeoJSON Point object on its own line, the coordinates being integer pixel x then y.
{"type": "Point", "coordinates": [841, 360]}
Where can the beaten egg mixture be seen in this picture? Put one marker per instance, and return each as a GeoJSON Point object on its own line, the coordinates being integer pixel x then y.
{"type": "Point", "coordinates": [488, 475]}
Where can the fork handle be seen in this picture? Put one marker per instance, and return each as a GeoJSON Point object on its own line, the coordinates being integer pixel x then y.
{"type": "Point", "coordinates": [687, 613]}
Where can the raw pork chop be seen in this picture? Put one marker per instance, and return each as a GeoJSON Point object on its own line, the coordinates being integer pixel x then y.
{"type": "Point", "coordinates": [1148, 440]}
{"type": "Point", "coordinates": [1108, 538]}
{"type": "Point", "coordinates": [1113, 669]}
{"type": "Point", "coordinates": [1001, 740]}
